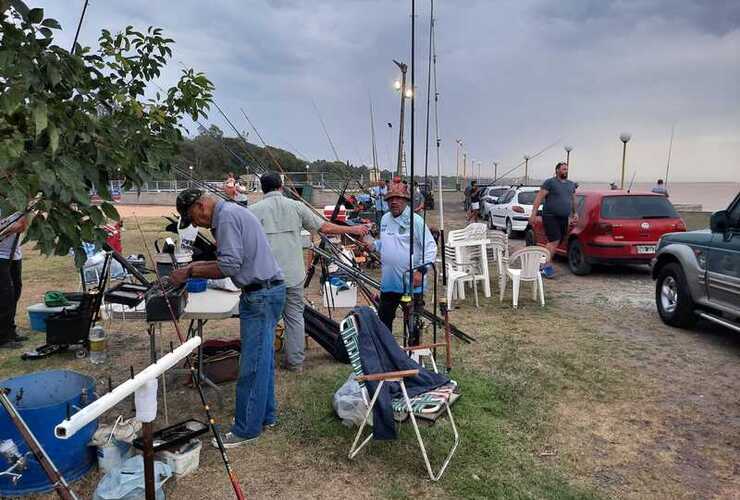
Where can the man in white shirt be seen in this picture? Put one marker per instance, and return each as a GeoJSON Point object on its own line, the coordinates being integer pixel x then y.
{"type": "Point", "coordinates": [10, 281]}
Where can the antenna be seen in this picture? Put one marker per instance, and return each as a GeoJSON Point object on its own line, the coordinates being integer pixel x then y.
{"type": "Point", "coordinates": [668, 162]}
{"type": "Point", "coordinates": [629, 188]}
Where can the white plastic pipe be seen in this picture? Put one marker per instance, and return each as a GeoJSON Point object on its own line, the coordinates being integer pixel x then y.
{"type": "Point", "coordinates": [68, 428]}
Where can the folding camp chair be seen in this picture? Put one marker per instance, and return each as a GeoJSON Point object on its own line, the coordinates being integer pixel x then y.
{"type": "Point", "coordinates": [434, 400]}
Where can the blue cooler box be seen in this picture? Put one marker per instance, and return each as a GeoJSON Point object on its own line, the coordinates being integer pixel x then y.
{"type": "Point", "coordinates": [38, 313]}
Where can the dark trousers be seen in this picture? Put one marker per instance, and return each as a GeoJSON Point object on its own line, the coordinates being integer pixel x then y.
{"type": "Point", "coordinates": [389, 302]}
{"type": "Point", "coordinates": [10, 292]}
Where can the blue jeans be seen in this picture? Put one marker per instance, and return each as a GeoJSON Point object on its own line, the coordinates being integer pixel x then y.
{"type": "Point", "coordinates": [255, 390]}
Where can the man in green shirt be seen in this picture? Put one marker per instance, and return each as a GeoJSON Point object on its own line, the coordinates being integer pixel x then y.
{"type": "Point", "coordinates": [283, 219]}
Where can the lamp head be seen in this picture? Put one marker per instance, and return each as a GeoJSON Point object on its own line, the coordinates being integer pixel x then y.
{"type": "Point", "coordinates": [568, 149]}
{"type": "Point", "coordinates": [625, 137]}
{"type": "Point", "coordinates": [526, 158]}
{"type": "Point", "coordinates": [409, 93]}
{"type": "Point", "coordinates": [397, 85]}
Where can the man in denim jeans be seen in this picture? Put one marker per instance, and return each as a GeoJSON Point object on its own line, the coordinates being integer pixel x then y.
{"type": "Point", "coordinates": [244, 255]}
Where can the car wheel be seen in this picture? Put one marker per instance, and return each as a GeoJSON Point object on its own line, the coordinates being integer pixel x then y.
{"type": "Point", "coordinates": [672, 298]}
{"type": "Point", "coordinates": [529, 237]}
{"type": "Point", "coordinates": [576, 259]}
{"type": "Point", "coordinates": [508, 229]}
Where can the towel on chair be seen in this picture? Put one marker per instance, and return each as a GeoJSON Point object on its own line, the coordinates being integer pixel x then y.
{"type": "Point", "coordinates": [379, 352]}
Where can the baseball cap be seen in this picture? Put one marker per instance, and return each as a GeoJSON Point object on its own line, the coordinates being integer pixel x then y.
{"type": "Point", "coordinates": [185, 200]}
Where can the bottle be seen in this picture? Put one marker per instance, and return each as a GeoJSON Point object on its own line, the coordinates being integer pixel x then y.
{"type": "Point", "coordinates": [97, 345]}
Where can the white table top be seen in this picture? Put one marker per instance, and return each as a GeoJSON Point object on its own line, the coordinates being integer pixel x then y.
{"type": "Point", "coordinates": [212, 304]}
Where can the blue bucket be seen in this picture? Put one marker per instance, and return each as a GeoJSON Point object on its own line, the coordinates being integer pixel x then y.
{"type": "Point", "coordinates": [42, 406]}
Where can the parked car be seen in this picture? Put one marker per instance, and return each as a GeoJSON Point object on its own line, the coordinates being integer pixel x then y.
{"type": "Point", "coordinates": [697, 274]}
{"type": "Point", "coordinates": [490, 195]}
{"type": "Point", "coordinates": [511, 210]}
{"type": "Point", "coordinates": [614, 227]}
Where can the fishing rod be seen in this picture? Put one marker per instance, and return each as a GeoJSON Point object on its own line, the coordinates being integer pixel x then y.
{"type": "Point", "coordinates": [438, 142]}
{"type": "Point", "coordinates": [426, 159]}
{"type": "Point", "coordinates": [539, 153]}
{"type": "Point", "coordinates": [79, 25]}
{"type": "Point", "coordinates": [194, 375]}
{"type": "Point", "coordinates": [668, 162]}
{"type": "Point", "coordinates": [326, 132]}
{"type": "Point", "coordinates": [372, 135]}
{"type": "Point", "coordinates": [357, 274]}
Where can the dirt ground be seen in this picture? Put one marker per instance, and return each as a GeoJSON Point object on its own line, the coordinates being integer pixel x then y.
{"type": "Point", "coordinates": [628, 407]}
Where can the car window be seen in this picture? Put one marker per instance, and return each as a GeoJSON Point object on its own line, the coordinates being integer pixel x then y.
{"type": "Point", "coordinates": [497, 193]}
{"type": "Point", "coordinates": [508, 196]}
{"type": "Point", "coordinates": [637, 207]}
{"type": "Point", "coordinates": [527, 197]}
{"type": "Point", "coordinates": [580, 203]}
{"type": "Point", "coordinates": [734, 215]}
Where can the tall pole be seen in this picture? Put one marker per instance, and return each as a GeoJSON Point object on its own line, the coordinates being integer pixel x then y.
{"type": "Point", "coordinates": [526, 169]}
{"type": "Point", "coordinates": [625, 138]}
{"type": "Point", "coordinates": [495, 172]}
{"type": "Point", "coordinates": [668, 162]}
{"type": "Point", "coordinates": [402, 89]}
{"type": "Point", "coordinates": [465, 167]}
{"type": "Point", "coordinates": [568, 149]}
{"type": "Point", "coordinates": [457, 165]}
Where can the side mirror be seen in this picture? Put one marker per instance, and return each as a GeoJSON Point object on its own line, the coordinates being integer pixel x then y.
{"type": "Point", "coordinates": [719, 222]}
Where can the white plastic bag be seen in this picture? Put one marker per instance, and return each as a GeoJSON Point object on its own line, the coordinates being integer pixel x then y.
{"type": "Point", "coordinates": [127, 481]}
{"type": "Point", "coordinates": [223, 284]}
{"type": "Point", "coordinates": [349, 404]}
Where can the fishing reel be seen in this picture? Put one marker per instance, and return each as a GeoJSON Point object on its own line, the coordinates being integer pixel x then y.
{"type": "Point", "coordinates": [18, 462]}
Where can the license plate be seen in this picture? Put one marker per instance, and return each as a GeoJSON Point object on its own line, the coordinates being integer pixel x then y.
{"type": "Point", "coordinates": [643, 249]}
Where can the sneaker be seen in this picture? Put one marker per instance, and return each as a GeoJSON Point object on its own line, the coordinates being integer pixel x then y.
{"type": "Point", "coordinates": [231, 440]}
{"type": "Point", "coordinates": [270, 426]}
{"type": "Point", "coordinates": [548, 271]}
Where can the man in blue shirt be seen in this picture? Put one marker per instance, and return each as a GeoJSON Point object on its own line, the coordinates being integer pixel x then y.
{"type": "Point", "coordinates": [394, 245]}
{"type": "Point", "coordinates": [10, 280]}
{"type": "Point", "coordinates": [243, 254]}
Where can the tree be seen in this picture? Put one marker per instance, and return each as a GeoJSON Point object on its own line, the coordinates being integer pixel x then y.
{"type": "Point", "coordinates": [70, 121]}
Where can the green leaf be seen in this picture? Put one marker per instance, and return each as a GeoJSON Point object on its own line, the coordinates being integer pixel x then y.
{"type": "Point", "coordinates": [53, 138]}
{"type": "Point", "coordinates": [36, 15]}
{"type": "Point", "coordinates": [52, 72]}
{"type": "Point", "coordinates": [40, 117]}
{"type": "Point", "coordinates": [110, 211]}
{"type": "Point", "coordinates": [51, 23]}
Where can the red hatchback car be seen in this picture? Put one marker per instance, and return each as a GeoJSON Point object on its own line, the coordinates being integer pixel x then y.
{"type": "Point", "coordinates": [614, 227]}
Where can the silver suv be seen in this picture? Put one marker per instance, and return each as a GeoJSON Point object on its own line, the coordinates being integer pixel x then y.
{"type": "Point", "coordinates": [698, 273]}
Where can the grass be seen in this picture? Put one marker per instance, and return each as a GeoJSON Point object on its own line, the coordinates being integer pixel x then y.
{"type": "Point", "coordinates": [526, 366]}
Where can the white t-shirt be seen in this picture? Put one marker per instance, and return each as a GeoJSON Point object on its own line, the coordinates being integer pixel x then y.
{"type": "Point", "coordinates": [6, 244]}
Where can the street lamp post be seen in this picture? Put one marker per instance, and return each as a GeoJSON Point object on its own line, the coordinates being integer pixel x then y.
{"type": "Point", "coordinates": [401, 87]}
{"type": "Point", "coordinates": [568, 149]}
{"type": "Point", "coordinates": [465, 168]}
{"type": "Point", "coordinates": [480, 165]}
{"type": "Point", "coordinates": [625, 138]}
{"type": "Point", "coordinates": [308, 179]}
{"type": "Point", "coordinates": [495, 171]}
{"type": "Point", "coordinates": [457, 164]}
{"type": "Point", "coordinates": [191, 175]}
{"type": "Point", "coordinates": [526, 169]}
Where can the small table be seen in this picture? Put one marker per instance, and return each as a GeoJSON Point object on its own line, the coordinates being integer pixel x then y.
{"type": "Point", "coordinates": [201, 307]}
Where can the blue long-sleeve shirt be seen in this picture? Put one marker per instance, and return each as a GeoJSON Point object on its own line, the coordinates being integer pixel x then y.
{"type": "Point", "coordinates": [242, 251]}
{"type": "Point", "coordinates": [394, 245]}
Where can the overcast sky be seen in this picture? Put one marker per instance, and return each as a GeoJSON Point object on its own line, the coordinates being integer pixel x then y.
{"type": "Point", "coordinates": [513, 76]}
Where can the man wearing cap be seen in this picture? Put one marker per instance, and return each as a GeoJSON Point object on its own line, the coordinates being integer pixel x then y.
{"type": "Point", "coordinates": [243, 254]}
{"type": "Point", "coordinates": [282, 220]}
{"type": "Point", "coordinates": [394, 245]}
{"type": "Point", "coordinates": [10, 280]}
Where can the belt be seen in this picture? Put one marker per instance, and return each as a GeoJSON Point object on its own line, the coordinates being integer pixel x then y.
{"type": "Point", "coordinates": [259, 285]}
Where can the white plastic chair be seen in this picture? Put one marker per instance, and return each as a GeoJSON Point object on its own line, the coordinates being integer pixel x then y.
{"type": "Point", "coordinates": [530, 259]}
{"type": "Point", "coordinates": [498, 251]}
{"type": "Point", "coordinates": [458, 272]}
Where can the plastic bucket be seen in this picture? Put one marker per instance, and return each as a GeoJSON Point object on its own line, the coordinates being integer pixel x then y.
{"type": "Point", "coordinates": [43, 404]}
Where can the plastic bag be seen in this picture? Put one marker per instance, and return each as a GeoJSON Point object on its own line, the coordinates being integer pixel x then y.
{"type": "Point", "coordinates": [224, 284]}
{"type": "Point", "coordinates": [127, 481]}
{"type": "Point", "coordinates": [349, 404]}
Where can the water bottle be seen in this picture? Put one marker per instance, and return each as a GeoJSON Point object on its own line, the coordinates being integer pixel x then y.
{"type": "Point", "coordinates": [97, 345]}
